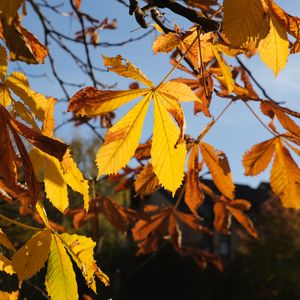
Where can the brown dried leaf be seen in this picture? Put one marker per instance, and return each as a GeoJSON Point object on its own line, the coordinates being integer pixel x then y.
{"type": "Point", "coordinates": [194, 196]}
{"type": "Point", "coordinates": [146, 182]}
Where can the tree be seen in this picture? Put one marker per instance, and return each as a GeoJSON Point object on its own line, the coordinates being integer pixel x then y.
{"type": "Point", "coordinates": [221, 32]}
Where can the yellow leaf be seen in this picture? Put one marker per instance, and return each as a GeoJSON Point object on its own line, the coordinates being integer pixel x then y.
{"type": "Point", "coordinates": [4, 241]}
{"type": "Point", "coordinates": [25, 114]}
{"type": "Point", "coordinates": [5, 97]}
{"type": "Point", "coordinates": [9, 8]}
{"type": "Point", "coordinates": [168, 161]}
{"type": "Point", "coordinates": [225, 69]}
{"type": "Point", "coordinates": [285, 177]}
{"type": "Point", "coordinates": [125, 68]}
{"type": "Point", "coordinates": [55, 185]}
{"type": "Point", "coordinates": [57, 175]}
{"type": "Point", "coordinates": [146, 182]}
{"type": "Point", "coordinates": [6, 266]}
{"type": "Point", "coordinates": [258, 157]}
{"type": "Point", "coordinates": [74, 178]}
{"type": "Point", "coordinates": [3, 61]}
{"type": "Point", "coordinates": [32, 256]}
{"type": "Point", "coordinates": [242, 20]}
{"type": "Point", "coordinates": [81, 250]}
{"type": "Point", "coordinates": [178, 90]}
{"type": "Point", "coordinates": [166, 42]}
{"type": "Point", "coordinates": [122, 139]}
{"type": "Point", "coordinates": [92, 102]}
{"type": "Point", "coordinates": [274, 48]}
{"type": "Point", "coordinates": [219, 169]}
{"type": "Point", "coordinates": [174, 108]}
{"type": "Point", "coordinates": [42, 213]}
{"type": "Point", "coordinates": [49, 122]}
{"type": "Point", "coordinates": [60, 278]}
{"type": "Point", "coordinates": [19, 84]}
{"type": "Point", "coordinates": [190, 45]}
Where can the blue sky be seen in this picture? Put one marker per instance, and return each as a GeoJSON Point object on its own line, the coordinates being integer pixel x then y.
{"type": "Point", "coordinates": [236, 132]}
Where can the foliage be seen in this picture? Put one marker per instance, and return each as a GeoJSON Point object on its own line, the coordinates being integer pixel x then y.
{"type": "Point", "coordinates": [170, 159]}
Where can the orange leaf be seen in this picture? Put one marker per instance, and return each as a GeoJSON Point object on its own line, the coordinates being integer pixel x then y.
{"type": "Point", "coordinates": [222, 218]}
{"type": "Point", "coordinates": [194, 196]}
{"type": "Point", "coordinates": [146, 182]}
{"type": "Point", "coordinates": [219, 169]}
{"type": "Point", "coordinates": [258, 157]}
{"type": "Point", "coordinates": [285, 177]}
{"type": "Point", "coordinates": [243, 220]}
{"type": "Point", "coordinates": [22, 44]}
{"type": "Point", "coordinates": [92, 102]}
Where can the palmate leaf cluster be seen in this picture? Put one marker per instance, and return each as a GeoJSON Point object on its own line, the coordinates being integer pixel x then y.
{"type": "Point", "coordinates": [170, 159]}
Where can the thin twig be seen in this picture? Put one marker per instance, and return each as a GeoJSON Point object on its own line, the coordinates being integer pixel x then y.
{"type": "Point", "coordinates": [258, 118]}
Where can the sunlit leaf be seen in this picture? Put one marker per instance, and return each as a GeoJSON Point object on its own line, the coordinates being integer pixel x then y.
{"type": "Point", "coordinates": [285, 177]}
{"type": "Point", "coordinates": [242, 20]}
{"type": "Point", "coordinates": [92, 102]}
{"type": "Point", "coordinates": [60, 278]}
{"type": "Point", "coordinates": [194, 196]}
{"type": "Point", "coordinates": [219, 169]}
{"type": "Point", "coordinates": [32, 256]}
{"type": "Point", "coordinates": [274, 48]}
{"type": "Point", "coordinates": [146, 182]}
{"type": "Point", "coordinates": [259, 157]}
{"type": "Point", "coordinates": [122, 139]}
{"type": "Point", "coordinates": [125, 68]}
{"type": "Point", "coordinates": [167, 160]}
{"type": "Point", "coordinates": [81, 249]}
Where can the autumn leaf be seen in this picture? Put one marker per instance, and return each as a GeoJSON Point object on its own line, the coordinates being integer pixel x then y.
{"type": "Point", "coordinates": [22, 44]}
{"type": "Point", "coordinates": [291, 23]}
{"type": "Point", "coordinates": [167, 161]}
{"type": "Point", "coordinates": [60, 277]}
{"type": "Point", "coordinates": [285, 177]}
{"type": "Point", "coordinates": [32, 256]}
{"type": "Point", "coordinates": [225, 69]}
{"type": "Point", "coordinates": [3, 62]}
{"type": "Point", "coordinates": [194, 196]}
{"type": "Point", "coordinates": [92, 102]}
{"type": "Point", "coordinates": [125, 68]}
{"type": "Point", "coordinates": [243, 220]}
{"type": "Point", "coordinates": [242, 20]}
{"type": "Point", "coordinates": [219, 169]}
{"type": "Point", "coordinates": [274, 48]}
{"type": "Point", "coordinates": [146, 182]}
{"type": "Point", "coordinates": [8, 9]}
{"type": "Point", "coordinates": [119, 216]}
{"type": "Point", "coordinates": [4, 241]}
{"type": "Point", "coordinates": [81, 249]}
{"type": "Point", "coordinates": [122, 139]}
{"type": "Point", "coordinates": [166, 42]}
{"type": "Point", "coordinates": [6, 266]}
{"type": "Point", "coordinates": [259, 157]}
{"type": "Point", "coordinates": [19, 85]}
{"type": "Point", "coordinates": [9, 296]}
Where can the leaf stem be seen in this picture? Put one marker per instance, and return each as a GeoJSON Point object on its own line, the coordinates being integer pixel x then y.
{"type": "Point", "coordinates": [20, 224]}
{"type": "Point", "coordinates": [179, 198]}
{"type": "Point", "coordinates": [258, 118]}
{"type": "Point", "coordinates": [177, 64]}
